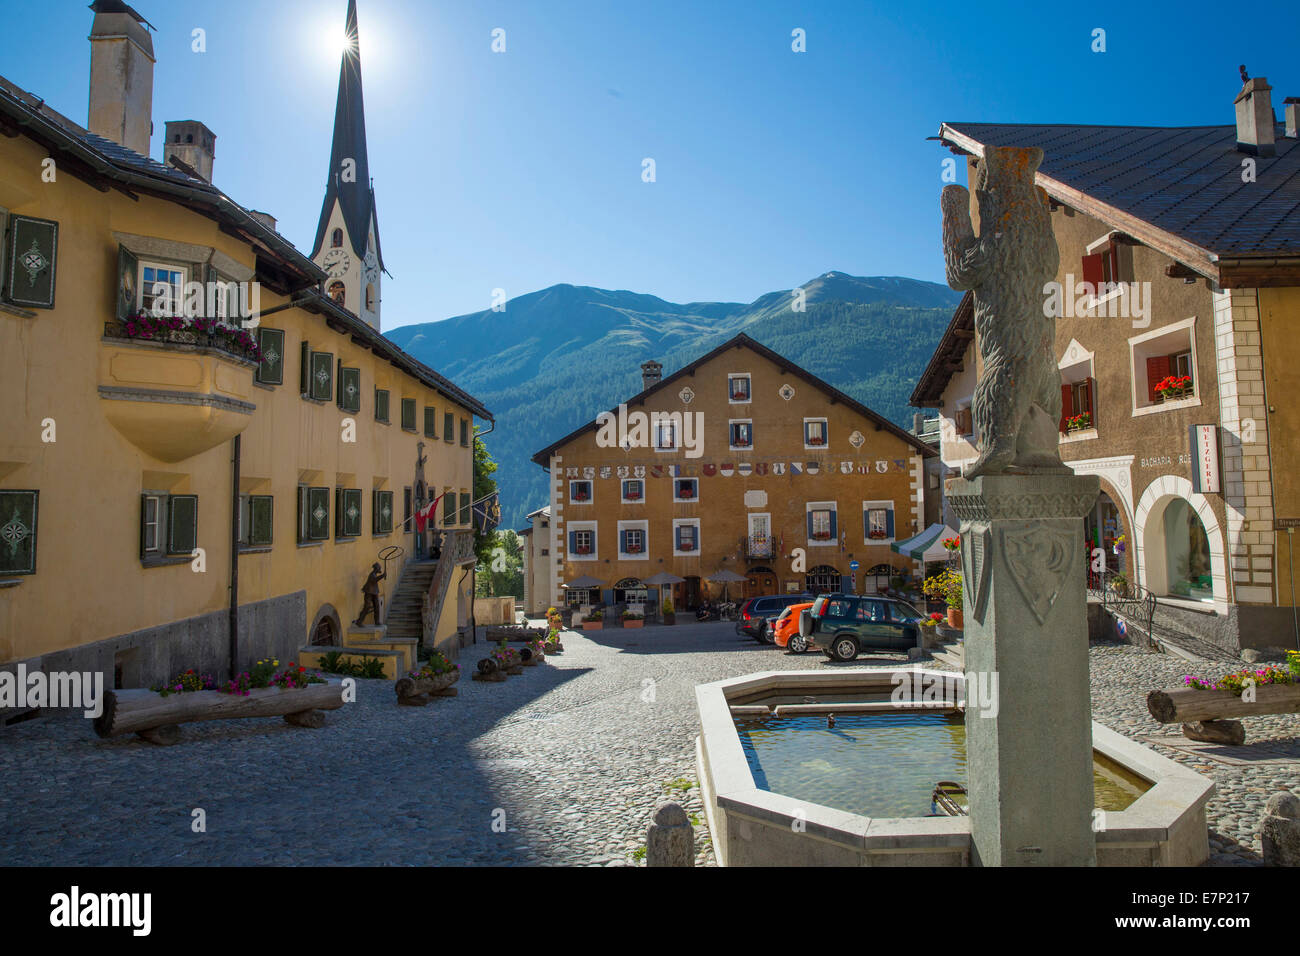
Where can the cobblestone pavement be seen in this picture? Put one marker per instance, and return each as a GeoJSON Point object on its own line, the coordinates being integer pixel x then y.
{"type": "Point", "coordinates": [574, 756]}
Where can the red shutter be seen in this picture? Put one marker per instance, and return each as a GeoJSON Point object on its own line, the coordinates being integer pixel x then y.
{"type": "Point", "coordinates": [1157, 368]}
{"type": "Point", "coordinates": [1092, 271]}
{"type": "Point", "coordinates": [1067, 404]}
{"type": "Point", "coordinates": [1092, 400]}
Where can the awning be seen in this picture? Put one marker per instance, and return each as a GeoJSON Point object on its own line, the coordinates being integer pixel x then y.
{"type": "Point", "coordinates": [586, 581]}
{"type": "Point", "coordinates": [926, 546]}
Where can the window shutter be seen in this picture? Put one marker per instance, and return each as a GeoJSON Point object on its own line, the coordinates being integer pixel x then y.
{"type": "Point", "coordinates": [1092, 400]}
{"type": "Point", "coordinates": [144, 514]}
{"type": "Point", "coordinates": [464, 432]}
{"type": "Point", "coordinates": [339, 531]}
{"type": "Point", "coordinates": [1157, 369]}
{"type": "Point", "coordinates": [449, 427]}
{"type": "Point", "coordinates": [835, 533]}
{"type": "Point", "coordinates": [261, 511]}
{"type": "Point", "coordinates": [182, 523]}
{"type": "Point", "coordinates": [349, 389]}
{"type": "Point", "coordinates": [889, 523]}
{"type": "Point", "coordinates": [318, 514]}
{"type": "Point", "coordinates": [408, 414]}
{"type": "Point", "coordinates": [573, 542]}
{"type": "Point", "coordinates": [271, 342]}
{"type": "Point", "coordinates": [622, 542]}
{"type": "Point", "coordinates": [810, 524]}
{"type": "Point", "coordinates": [1092, 270]}
{"type": "Point", "coordinates": [465, 508]}
{"type": "Point", "coordinates": [30, 260]}
{"type": "Point", "coordinates": [350, 512]}
{"type": "Point", "coordinates": [128, 272]}
{"type": "Point", "coordinates": [430, 422]}
{"type": "Point", "coordinates": [381, 405]}
{"type": "Point", "coordinates": [677, 538]}
{"type": "Point", "coordinates": [382, 507]}
{"type": "Point", "coordinates": [18, 532]}
{"type": "Point", "coordinates": [1067, 404]}
{"type": "Point", "coordinates": [303, 530]}
{"type": "Point", "coordinates": [322, 376]}
{"type": "Point", "coordinates": [304, 370]}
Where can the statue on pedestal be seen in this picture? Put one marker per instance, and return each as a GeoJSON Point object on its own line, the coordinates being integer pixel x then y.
{"type": "Point", "coordinates": [370, 592]}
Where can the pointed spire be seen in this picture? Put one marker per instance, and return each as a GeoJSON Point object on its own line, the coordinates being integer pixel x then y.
{"type": "Point", "coordinates": [349, 171]}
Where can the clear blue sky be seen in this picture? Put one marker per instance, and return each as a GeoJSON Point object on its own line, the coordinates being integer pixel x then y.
{"type": "Point", "coordinates": [523, 169]}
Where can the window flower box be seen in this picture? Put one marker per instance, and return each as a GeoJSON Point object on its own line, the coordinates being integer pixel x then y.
{"type": "Point", "coordinates": [1077, 423]}
{"type": "Point", "coordinates": [821, 535]}
{"type": "Point", "coordinates": [582, 549]}
{"type": "Point", "coordinates": [740, 443]}
{"type": "Point", "coordinates": [1173, 387]}
{"type": "Point", "coordinates": [632, 496]}
{"type": "Point", "coordinates": [686, 546]}
{"type": "Point", "coordinates": [580, 496]}
{"type": "Point", "coordinates": [878, 535]}
{"type": "Point", "coordinates": [686, 493]}
{"type": "Point", "coordinates": [816, 441]}
{"type": "Point", "coordinates": [633, 549]}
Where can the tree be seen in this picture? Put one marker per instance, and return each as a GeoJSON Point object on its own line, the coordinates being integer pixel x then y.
{"type": "Point", "coordinates": [503, 574]}
{"type": "Point", "coordinates": [484, 485]}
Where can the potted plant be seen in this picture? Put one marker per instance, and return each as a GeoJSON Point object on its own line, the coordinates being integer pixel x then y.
{"type": "Point", "coordinates": [877, 534]}
{"type": "Point", "coordinates": [670, 616]}
{"type": "Point", "coordinates": [1119, 584]}
{"type": "Point", "coordinates": [1173, 387]}
{"type": "Point", "coordinates": [594, 621]}
{"type": "Point", "coordinates": [632, 619]}
{"type": "Point", "coordinates": [946, 586]}
{"type": "Point", "coordinates": [1077, 423]}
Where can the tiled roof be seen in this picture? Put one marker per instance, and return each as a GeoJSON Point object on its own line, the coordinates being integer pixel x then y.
{"type": "Point", "coordinates": [1183, 181]}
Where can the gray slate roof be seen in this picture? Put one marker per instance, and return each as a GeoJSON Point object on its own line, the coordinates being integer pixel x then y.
{"type": "Point", "coordinates": [1186, 181]}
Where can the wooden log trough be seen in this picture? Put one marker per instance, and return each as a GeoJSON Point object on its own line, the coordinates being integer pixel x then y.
{"type": "Point", "coordinates": [1205, 714]}
{"type": "Point", "coordinates": [514, 632]}
{"type": "Point", "coordinates": [415, 692]}
{"type": "Point", "coordinates": [489, 670]}
{"type": "Point", "coordinates": [157, 719]}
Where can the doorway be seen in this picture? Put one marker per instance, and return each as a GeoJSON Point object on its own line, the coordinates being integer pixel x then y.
{"type": "Point", "coordinates": [759, 581]}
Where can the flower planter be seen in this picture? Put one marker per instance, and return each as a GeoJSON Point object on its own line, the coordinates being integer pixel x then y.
{"type": "Point", "coordinates": [632, 624]}
{"type": "Point", "coordinates": [490, 671]}
{"type": "Point", "coordinates": [954, 617]}
{"type": "Point", "coordinates": [592, 625]}
{"type": "Point", "coordinates": [670, 617]}
{"type": "Point", "coordinates": [415, 692]}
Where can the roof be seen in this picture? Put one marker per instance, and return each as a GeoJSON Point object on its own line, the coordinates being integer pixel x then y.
{"type": "Point", "coordinates": [948, 356]}
{"type": "Point", "coordinates": [1178, 189]}
{"type": "Point", "coordinates": [356, 196]}
{"type": "Point", "coordinates": [742, 340]}
{"type": "Point", "coordinates": [108, 165]}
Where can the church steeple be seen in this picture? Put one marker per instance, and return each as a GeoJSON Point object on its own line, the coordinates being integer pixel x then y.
{"type": "Point", "coordinates": [347, 236]}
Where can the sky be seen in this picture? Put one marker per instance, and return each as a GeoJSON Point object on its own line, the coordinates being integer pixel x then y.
{"type": "Point", "coordinates": [520, 169]}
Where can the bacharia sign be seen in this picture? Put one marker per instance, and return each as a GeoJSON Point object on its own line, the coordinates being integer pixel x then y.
{"type": "Point", "coordinates": [1204, 441]}
{"type": "Point", "coordinates": [711, 469]}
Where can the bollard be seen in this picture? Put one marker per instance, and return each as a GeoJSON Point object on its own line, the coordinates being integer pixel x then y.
{"type": "Point", "coordinates": [1280, 830]}
{"type": "Point", "coordinates": [671, 840]}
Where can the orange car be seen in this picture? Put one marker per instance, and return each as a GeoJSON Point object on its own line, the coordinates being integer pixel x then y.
{"type": "Point", "coordinates": [786, 634]}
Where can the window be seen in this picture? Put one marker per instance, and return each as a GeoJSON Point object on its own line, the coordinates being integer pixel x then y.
{"type": "Point", "coordinates": [822, 525]}
{"type": "Point", "coordinates": [742, 434]}
{"type": "Point", "coordinates": [814, 432]}
{"type": "Point", "coordinates": [382, 510]}
{"type": "Point", "coordinates": [633, 540]}
{"type": "Point", "coordinates": [686, 489]}
{"type": "Point", "coordinates": [633, 490]}
{"type": "Point", "coordinates": [963, 421]}
{"type": "Point", "coordinates": [162, 288]}
{"type": "Point", "coordinates": [271, 343]}
{"type": "Point", "coordinates": [18, 532]}
{"type": "Point", "coordinates": [430, 422]}
{"type": "Point", "coordinates": [1106, 265]}
{"type": "Point", "coordinates": [347, 510]}
{"type": "Point", "coordinates": [255, 520]}
{"type": "Point", "coordinates": [687, 537]}
{"type": "Point", "coordinates": [370, 297]}
{"type": "Point", "coordinates": [336, 240]}
{"type": "Point", "coordinates": [321, 384]}
{"type": "Point", "coordinates": [465, 516]}
{"type": "Point", "coordinates": [313, 514]}
{"type": "Point", "coordinates": [349, 392]}
{"type": "Point", "coordinates": [582, 543]}
{"type": "Point", "coordinates": [338, 292]}
{"type": "Point", "coordinates": [738, 388]}
{"type": "Point", "coordinates": [168, 526]}
{"type": "Point", "coordinates": [464, 432]}
{"type": "Point", "coordinates": [1078, 405]}
{"type": "Point", "coordinates": [381, 405]}
{"type": "Point", "coordinates": [448, 427]}
{"type": "Point", "coordinates": [408, 414]}
{"type": "Point", "coordinates": [1164, 368]}
{"type": "Point", "coordinates": [580, 491]}
{"type": "Point", "coordinates": [665, 436]}
{"type": "Point", "coordinates": [182, 524]}
{"type": "Point", "coordinates": [877, 521]}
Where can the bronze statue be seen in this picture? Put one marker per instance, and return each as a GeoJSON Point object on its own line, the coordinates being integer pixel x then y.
{"type": "Point", "coordinates": [1017, 404]}
{"type": "Point", "coordinates": [370, 591]}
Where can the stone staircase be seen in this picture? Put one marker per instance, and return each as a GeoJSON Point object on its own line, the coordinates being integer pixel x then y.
{"type": "Point", "coordinates": [950, 649]}
{"type": "Point", "coordinates": [406, 606]}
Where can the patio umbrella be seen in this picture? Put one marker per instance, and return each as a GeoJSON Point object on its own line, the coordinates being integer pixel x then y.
{"type": "Point", "coordinates": [725, 577]}
{"type": "Point", "coordinates": [586, 581]}
{"type": "Point", "coordinates": [662, 578]}
{"type": "Point", "coordinates": [926, 546]}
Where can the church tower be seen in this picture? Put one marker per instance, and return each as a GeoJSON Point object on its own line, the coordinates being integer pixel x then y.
{"type": "Point", "coordinates": [347, 238]}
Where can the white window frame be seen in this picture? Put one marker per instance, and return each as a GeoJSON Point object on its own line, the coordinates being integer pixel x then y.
{"type": "Point", "coordinates": [659, 427]}
{"type": "Point", "coordinates": [687, 523]}
{"type": "Point", "coordinates": [178, 299]}
{"type": "Point", "coordinates": [688, 501]}
{"type": "Point", "coordinates": [826, 433]}
{"type": "Point", "coordinates": [591, 491]}
{"type": "Point", "coordinates": [1121, 287]}
{"type": "Point", "coordinates": [622, 490]}
{"type": "Point", "coordinates": [740, 421]}
{"type": "Point", "coordinates": [157, 500]}
{"type": "Point", "coordinates": [749, 388]}
{"type": "Point", "coordinates": [644, 528]}
{"type": "Point", "coordinates": [878, 505]}
{"type": "Point", "coordinates": [833, 508]}
{"type": "Point", "coordinates": [1079, 362]}
{"type": "Point", "coordinates": [1140, 405]}
{"type": "Point", "coordinates": [579, 527]}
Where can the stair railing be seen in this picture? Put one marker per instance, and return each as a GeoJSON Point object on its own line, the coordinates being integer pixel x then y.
{"type": "Point", "coordinates": [457, 548]}
{"type": "Point", "coordinates": [1132, 602]}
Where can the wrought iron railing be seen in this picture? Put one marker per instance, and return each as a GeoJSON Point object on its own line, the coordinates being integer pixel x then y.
{"type": "Point", "coordinates": [756, 545]}
{"type": "Point", "coordinates": [202, 333]}
{"type": "Point", "coordinates": [1127, 600]}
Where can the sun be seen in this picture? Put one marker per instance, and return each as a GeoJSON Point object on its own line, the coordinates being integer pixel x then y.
{"type": "Point", "coordinates": [336, 42]}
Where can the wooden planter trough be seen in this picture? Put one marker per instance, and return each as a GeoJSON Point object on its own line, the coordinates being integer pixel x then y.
{"type": "Point", "coordinates": [1204, 713]}
{"type": "Point", "coordinates": [489, 670]}
{"type": "Point", "coordinates": [157, 718]}
{"type": "Point", "coordinates": [515, 633]}
{"type": "Point", "coordinates": [415, 692]}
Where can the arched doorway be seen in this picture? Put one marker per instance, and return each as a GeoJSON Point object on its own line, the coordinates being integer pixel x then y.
{"type": "Point", "coordinates": [876, 579]}
{"type": "Point", "coordinates": [630, 591]}
{"type": "Point", "coordinates": [325, 633]}
{"type": "Point", "coordinates": [759, 581]}
{"type": "Point", "coordinates": [1180, 544]}
{"type": "Point", "coordinates": [822, 579]}
{"type": "Point", "coordinates": [1106, 529]}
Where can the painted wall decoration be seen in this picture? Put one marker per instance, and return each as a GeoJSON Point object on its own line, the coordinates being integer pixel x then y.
{"type": "Point", "coordinates": [728, 469]}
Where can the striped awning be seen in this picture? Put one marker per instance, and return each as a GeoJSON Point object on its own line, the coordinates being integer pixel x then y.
{"type": "Point", "coordinates": [926, 546]}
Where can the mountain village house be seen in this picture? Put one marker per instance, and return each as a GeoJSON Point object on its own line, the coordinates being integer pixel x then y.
{"type": "Point", "coordinates": [1174, 381]}
{"type": "Point", "coordinates": [740, 461]}
{"type": "Point", "coordinates": [179, 493]}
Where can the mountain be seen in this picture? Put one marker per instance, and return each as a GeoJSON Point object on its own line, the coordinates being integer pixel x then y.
{"type": "Point", "coordinates": [553, 359]}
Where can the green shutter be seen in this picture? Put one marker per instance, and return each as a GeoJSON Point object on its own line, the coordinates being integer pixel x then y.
{"type": "Point", "coordinates": [382, 512]}
{"type": "Point", "coordinates": [430, 422]}
{"type": "Point", "coordinates": [271, 342]}
{"type": "Point", "coordinates": [304, 370]}
{"type": "Point", "coordinates": [182, 524]}
{"type": "Point", "coordinates": [318, 514]}
{"type": "Point", "coordinates": [302, 514]}
{"type": "Point", "coordinates": [408, 414]}
{"type": "Point", "coordinates": [322, 376]}
{"type": "Point", "coordinates": [449, 508]}
{"type": "Point", "coordinates": [352, 513]}
{"type": "Point", "coordinates": [30, 260]}
{"type": "Point", "coordinates": [381, 405]}
{"type": "Point", "coordinates": [128, 274]}
{"type": "Point", "coordinates": [449, 427]}
{"type": "Point", "coordinates": [464, 432]}
{"type": "Point", "coordinates": [464, 509]}
{"type": "Point", "coordinates": [349, 389]}
{"type": "Point", "coordinates": [261, 510]}
{"type": "Point", "coordinates": [18, 532]}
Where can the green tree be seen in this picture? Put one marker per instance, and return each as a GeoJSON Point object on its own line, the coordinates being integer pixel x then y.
{"type": "Point", "coordinates": [503, 573]}
{"type": "Point", "coordinates": [484, 485]}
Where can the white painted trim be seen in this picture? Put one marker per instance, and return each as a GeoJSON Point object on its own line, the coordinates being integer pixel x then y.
{"type": "Point", "coordinates": [1188, 324]}
{"type": "Point", "coordinates": [740, 401]}
{"type": "Point", "coordinates": [1150, 510]}
{"type": "Point", "coordinates": [699, 539]}
{"type": "Point", "coordinates": [642, 525]}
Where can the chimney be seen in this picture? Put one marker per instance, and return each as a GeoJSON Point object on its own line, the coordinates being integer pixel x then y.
{"type": "Point", "coordinates": [651, 372]}
{"type": "Point", "coordinates": [1292, 117]}
{"type": "Point", "coordinates": [1255, 116]}
{"type": "Point", "coordinates": [265, 218]}
{"type": "Point", "coordinates": [121, 76]}
{"type": "Point", "coordinates": [918, 422]}
{"type": "Point", "coordinates": [193, 144]}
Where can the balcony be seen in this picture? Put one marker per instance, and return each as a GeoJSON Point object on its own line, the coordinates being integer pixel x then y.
{"type": "Point", "coordinates": [756, 546]}
{"type": "Point", "coordinates": [173, 389]}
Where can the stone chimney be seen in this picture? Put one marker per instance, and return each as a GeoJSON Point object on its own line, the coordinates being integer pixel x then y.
{"type": "Point", "coordinates": [265, 218]}
{"type": "Point", "coordinates": [1292, 117]}
{"type": "Point", "coordinates": [121, 76]}
{"type": "Point", "coordinates": [193, 144]}
{"type": "Point", "coordinates": [651, 372]}
{"type": "Point", "coordinates": [1255, 116]}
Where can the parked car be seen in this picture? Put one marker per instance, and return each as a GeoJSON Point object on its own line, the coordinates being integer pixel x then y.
{"type": "Point", "coordinates": [786, 631]}
{"type": "Point", "coordinates": [755, 612]}
{"type": "Point", "coordinates": [842, 626]}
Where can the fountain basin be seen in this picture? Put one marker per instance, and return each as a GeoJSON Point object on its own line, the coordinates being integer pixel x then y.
{"type": "Point", "coordinates": [750, 826]}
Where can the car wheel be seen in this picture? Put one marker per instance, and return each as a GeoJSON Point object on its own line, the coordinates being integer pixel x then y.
{"type": "Point", "coordinates": [768, 634]}
{"type": "Point", "coordinates": [758, 633]}
{"type": "Point", "coordinates": [844, 649]}
{"type": "Point", "coordinates": [797, 644]}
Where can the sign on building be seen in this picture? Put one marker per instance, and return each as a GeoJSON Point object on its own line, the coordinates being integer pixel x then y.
{"type": "Point", "coordinates": [1205, 458]}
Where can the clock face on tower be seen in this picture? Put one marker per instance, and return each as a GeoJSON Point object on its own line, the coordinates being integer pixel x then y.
{"type": "Point", "coordinates": [372, 265]}
{"type": "Point", "coordinates": [336, 263]}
